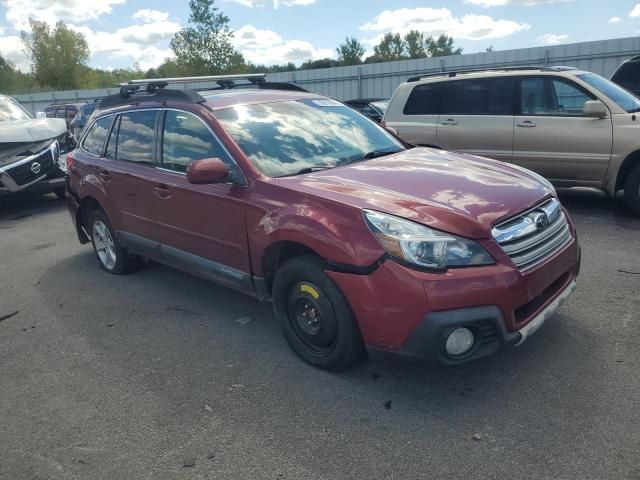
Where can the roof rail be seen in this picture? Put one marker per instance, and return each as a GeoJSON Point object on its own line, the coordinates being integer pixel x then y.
{"type": "Point", "coordinates": [508, 68]}
{"type": "Point", "coordinates": [224, 82]}
{"type": "Point", "coordinates": [129, 95]}
{"type": "Point", "coordinates": [251, 77]}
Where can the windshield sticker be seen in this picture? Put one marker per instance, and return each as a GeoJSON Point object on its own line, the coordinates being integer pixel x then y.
{"type": "Point", "coordinates": [327, 102]}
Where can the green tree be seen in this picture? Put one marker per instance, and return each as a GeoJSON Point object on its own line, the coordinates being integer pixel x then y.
{"type": "Point", "coordinates": [350, 52]}
{"type": "Point", "coordinates": [13, 81]}
{"type": "Point", "coordinates": [391, 47]}
{"type": "Point", "coordinates": [415, 44]}
{"type": "Point", "coordinates": [320, 63]}
{"type": "Point", "coordinates": [204, 47]}
{"type": "Point", "coordinates": [58, 55]}
{"type": "Point", "coordinates": [441, 46]}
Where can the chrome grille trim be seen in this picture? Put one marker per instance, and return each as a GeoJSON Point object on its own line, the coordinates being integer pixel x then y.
{"type": "Point", "coordinates": [528, 243]}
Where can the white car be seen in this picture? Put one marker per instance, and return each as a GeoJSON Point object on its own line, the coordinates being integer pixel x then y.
{"type": "Point", "coordinates": [29, 151]}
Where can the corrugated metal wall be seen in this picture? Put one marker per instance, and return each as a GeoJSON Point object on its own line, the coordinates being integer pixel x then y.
{"type": "Point", "coordinates": [381, 79]}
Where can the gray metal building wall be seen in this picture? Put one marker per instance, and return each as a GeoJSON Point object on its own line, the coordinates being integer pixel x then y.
{"type": "Point", "coordinates": [381, 79]}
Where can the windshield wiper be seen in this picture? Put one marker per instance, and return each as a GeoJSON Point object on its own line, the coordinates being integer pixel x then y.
{"type": "Point", "coordinates": [369, 156]}
{"type": "Point", "coordinates": [305, 170]}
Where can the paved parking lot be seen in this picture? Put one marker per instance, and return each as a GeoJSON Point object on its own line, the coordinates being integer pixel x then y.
{"type": "Point", "coordinates": [151, 376]}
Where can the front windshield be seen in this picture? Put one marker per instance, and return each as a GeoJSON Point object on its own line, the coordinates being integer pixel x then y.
{"type": "Point", "coordinates": [624, 99]}
{"type": "Point", "coordinates": [285, 138]}
{"type": "Point", "coordinates": [11, 111]}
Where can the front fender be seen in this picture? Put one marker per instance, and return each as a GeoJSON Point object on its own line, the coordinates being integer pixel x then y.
{"type": "Point", "coordinates": [336, 232]}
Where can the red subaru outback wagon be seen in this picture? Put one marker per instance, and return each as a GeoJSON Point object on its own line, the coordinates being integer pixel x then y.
{"type": "Point", "coordinates": [359, 239]}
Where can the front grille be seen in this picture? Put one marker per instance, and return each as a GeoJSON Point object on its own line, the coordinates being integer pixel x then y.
{"type": "Point", "coordinates": [535, 235]}
{"type": "Point", "coordinates": [23, 174]}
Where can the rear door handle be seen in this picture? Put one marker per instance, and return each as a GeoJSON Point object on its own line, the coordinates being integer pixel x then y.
{"type": "Point", "coordinates": [162, 191]}
{"type": "Point", "coordinates": [450, 121]}
{"type": "Point", "coordinates": [105, 176]}
{"type": "Point", "coordinates": [526, 124]}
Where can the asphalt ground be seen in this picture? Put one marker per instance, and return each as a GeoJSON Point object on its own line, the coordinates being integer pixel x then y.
{"type": "Point", "coordinates": [161, 375]}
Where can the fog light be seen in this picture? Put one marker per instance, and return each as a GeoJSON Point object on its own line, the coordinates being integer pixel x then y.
{"type": "Point", "coordinates": [459, 341]}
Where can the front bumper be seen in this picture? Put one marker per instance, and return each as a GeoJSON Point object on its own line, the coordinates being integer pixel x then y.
{"type": "Point", "coordinates": [411, 312]}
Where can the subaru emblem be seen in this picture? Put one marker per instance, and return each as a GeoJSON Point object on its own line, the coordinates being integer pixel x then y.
{"type": "Point", "coordinates": [541, 220]}
{"type": "Point", "coordinates": [35, 168]}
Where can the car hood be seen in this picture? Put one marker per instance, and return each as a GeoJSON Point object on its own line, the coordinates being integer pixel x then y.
{"type": "Point", "coordinates": [33, 130]}
{"type": "Point", "coordinates": [460, 194]}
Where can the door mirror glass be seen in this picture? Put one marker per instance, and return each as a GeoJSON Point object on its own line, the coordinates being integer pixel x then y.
{"type": "Point", "coordinates": [595, 109]}
{"type": "Point", "coordinates": [209, 170]}
{"type": "Point", "coordinates": [41, 115]}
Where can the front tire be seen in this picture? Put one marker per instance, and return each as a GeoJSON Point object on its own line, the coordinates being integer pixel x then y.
{"type": "Point", "coordinates": [112, 257]}
{"type": "Point", "coordinates": [632, 190]}
{"type": "Point", "coordinates": [314, 315]}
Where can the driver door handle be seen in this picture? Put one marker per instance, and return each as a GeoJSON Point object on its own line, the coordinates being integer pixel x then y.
{"type": "Point", "coordinates": [449, 121]}
{"type": "Point", "coordinates": [526, 124]}
{"type": "Point", "coordinates": [162, 191]}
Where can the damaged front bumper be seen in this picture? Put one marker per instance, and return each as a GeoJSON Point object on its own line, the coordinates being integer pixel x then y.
{"type": "Point", "coordinates": [40, 172]}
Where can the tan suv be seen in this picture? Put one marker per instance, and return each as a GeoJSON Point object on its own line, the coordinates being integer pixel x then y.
{"type": "Point", "coordinates": [573, 127]}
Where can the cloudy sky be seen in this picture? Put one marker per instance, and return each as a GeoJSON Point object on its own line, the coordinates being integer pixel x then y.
{"type": "Point", "coordinates": [121, 32]}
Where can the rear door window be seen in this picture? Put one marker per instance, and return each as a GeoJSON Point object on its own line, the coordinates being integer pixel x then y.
{"type": "Point", "coordinates": [486, 96]}
{"type": "Point", "coordinates": [425, 99]}
{"type": "Point", "coordinates": [94, 140]}
{"type": "Point", "coordinates": [136, 136]}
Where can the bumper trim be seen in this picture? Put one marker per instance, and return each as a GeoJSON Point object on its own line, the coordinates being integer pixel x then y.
{"type": "Point", "coordinates": [533, 325]}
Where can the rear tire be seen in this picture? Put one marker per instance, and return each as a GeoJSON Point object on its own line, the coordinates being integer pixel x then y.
{"type": "Point", "coordinates": [314, 315]}
{"type": "Point", "coordinates": [112, 257]}
{"type": "Point", "coordinates": [632, 190]}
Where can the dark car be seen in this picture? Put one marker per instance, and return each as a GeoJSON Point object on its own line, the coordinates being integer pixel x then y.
{"type": "Point", "coordinates": [356, 238]}
{"type": "Point", "coordinates": [374, 108]}
{"type": "Point", "coordinates": [82, 117]}
{"type": "Point", "coordinates": [627, 75]}
{"type": "Point", "coordinates": [66, 111]}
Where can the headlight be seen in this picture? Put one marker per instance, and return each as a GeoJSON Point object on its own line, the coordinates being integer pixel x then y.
{"type": "Point", "coordinates": [422, 246]}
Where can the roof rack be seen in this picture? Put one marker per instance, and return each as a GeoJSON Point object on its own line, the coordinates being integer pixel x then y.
{"type": "Point", "coordinates": [150, 89]}
{"type": "Point", "coordinates": [508, 68]}
{"type": "Point", "coordinates": [132, 94]}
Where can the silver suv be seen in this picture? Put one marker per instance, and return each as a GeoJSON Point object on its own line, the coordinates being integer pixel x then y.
{"type": "Point", "coordinates": [573, 127]}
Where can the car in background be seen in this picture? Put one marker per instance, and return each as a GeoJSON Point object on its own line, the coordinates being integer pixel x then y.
{"type": "Point", "coordinates": [29, 151]}
{"type": "Point", "coordinates": [82, 117]}
{"type": "Point", "coordinates": [373, 108]}
{"type": "Point", "coordinates": [357, 239]}
{"type": "Point", "coordinates": [627, 75]}
{"type": "Point", "coordinates": [65, 111]}
{"type": "Point", "coordinates": [573, 127]}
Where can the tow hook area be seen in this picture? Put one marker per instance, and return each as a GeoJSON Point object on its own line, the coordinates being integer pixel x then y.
{"type": "Point", "coordinates": [542, 317]}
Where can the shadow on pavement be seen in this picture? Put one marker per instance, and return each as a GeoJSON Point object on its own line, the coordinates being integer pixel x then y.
{"type": "Point", "coordinates": [18, 207]}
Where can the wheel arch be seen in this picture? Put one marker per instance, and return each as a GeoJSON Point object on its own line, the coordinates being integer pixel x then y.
{"type": "Point", "coordinates": [276, 254]}
{"type": "Point", "coordinates": [87, 205]}
{"type": "Point", "coordinates": [625, 169]}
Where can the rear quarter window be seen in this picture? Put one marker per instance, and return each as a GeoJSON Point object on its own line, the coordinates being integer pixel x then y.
{"type": "Point", "coordinates": [94, 140]}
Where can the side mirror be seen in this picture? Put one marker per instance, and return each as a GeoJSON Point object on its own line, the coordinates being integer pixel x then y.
{"type": "Point", "coordinates": [41, 115]}
{"type": "Point", "coordinates": [209, 170]}
{"type": "Point", "coordinates": [595, 109]}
